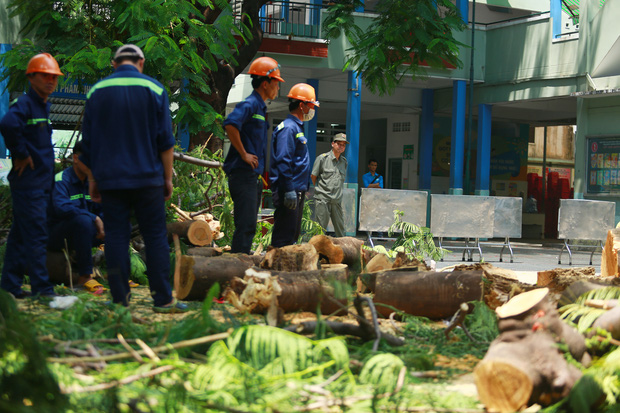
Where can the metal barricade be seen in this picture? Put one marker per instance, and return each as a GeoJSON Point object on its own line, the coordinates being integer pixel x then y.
{"type": "Point", "coordinates": [377, 209]}
{"type": "Point", "coordinates": [583, 219]}
{"type": "Point", "coordinates": [463, 216]}
{"type": "Point", "coordinates": [507, 222]}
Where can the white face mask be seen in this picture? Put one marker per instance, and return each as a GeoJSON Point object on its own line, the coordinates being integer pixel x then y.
{"type": "Point", "coordinates": [308, 116]}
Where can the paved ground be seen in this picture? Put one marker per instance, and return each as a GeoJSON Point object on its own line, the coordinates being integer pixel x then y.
{"type": "Point", "coordinates": [529, 256]}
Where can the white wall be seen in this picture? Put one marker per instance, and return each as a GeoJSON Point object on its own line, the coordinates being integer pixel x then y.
{"type": "Point", "coordinates": [395, 145]}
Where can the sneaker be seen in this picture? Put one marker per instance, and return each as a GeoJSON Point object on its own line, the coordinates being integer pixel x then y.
{"type": "Point", "coordinates": [171, 308]}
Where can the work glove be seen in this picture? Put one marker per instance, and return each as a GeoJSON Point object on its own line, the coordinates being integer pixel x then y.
{"type": "Point", "coordinates": [290, 200]}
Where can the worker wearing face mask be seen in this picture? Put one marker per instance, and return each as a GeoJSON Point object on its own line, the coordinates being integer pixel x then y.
{"type": "Point", "coordinates": [289, 171]}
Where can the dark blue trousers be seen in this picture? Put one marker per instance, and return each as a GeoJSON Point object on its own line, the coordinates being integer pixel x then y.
{"type": "Point", "coordinates": [287, 222]}
{"type": "Point", "coordinates": [26, 246]}
{"type": "Point", "coordinates": [149, 210]}
{"type": "Point", "coordinates": [80, 232]}
{"type": "Point", "coordinates": [245, 191]}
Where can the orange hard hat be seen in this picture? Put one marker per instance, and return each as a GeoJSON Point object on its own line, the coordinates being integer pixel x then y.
{"type": "Point", "coordinates": [266, 66]}
{"type": "Point", "coordinates": [303, 92]}
{"type": "Point", "coordinates": [43, 63]}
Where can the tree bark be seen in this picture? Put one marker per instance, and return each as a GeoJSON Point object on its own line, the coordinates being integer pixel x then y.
{"type": "Point", "coordinates": [428, 294]}
{"type": "Point", "coordinates": [196, 232]}
{"type": "Point", "coordinates": [198, 274]}
{"type": "Point", "coordinates": [205, 251]}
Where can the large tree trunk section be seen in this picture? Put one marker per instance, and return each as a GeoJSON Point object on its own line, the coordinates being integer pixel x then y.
{"type": "Point", "coordinates": [302, 257]}
{"type": "Point", "coordinates": [345, 250]}
{"type": "Point", "coordinates": [524, 365]}
{"type": "Point", "coordinates": [59, 269]}
{"type": "Point", "coordinates": [198, 274]}
{"type": "Point", "coordinates": [196, 232]}
{"type": "Point", "coordinates": [428, 294]}
{"type": "Point", "coordinates": [609, 257]}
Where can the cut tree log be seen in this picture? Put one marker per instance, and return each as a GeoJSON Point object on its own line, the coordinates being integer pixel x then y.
{"type": "Point", "coordinates": [196, 232]}
{"type": "Point", "coordinates": [609, 257]}
{"type": "Point", "coordinates": [303, 257]}
{"type": "Point", "coordinates": [522, 368]}
{"type": "Point", "coordinates": [295, 291]}
{"type": "Point", "coordinates": [345, 250]}
{"type": "Point", "coordinates": [198, 274]}
{"type": "Point", "coordinates": [426, 293]}
{"type": "Point", "coordinates": [524, 365]}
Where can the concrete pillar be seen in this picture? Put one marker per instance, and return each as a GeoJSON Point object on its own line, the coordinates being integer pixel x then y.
{"type": "Point", "coordinates": [483, 162]}
{"type": "Point", "coordinates": [457, 146]}
{"type": "Point", "coordinates": [463, 6]}
{"type": "Point", "coordinates": [354, 108]}
{"type": "Point", "coordinates": [310, 126]}
{"type": "Point", "coordinates": [556, 17]}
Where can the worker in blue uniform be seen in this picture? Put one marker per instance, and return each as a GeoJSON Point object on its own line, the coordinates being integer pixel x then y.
{"type": "Point", "coordinates": [246, 128]}
{"type": "Point", "coordinates": [128, 149]}
{"type": "Point", "coordinates": [289, 170]}
{"type": "Point", "coordinates": [75, 222]}
{"type": "Point", "coordinates": [27, 133]}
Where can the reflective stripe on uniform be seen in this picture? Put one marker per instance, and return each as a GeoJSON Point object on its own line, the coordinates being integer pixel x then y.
{"type": "Point", "coordinates": [126, 81]}
{"type": "Point", "coordinates": [259, 117]}
{"type": "Point", "coordinates": [77, 196]}
{"type": "Point", "coordinates": [300, 135]}
{"type": "Point", "coordinates": [58, 176]}
{"type": "Point", "coordinates": [37, 120]}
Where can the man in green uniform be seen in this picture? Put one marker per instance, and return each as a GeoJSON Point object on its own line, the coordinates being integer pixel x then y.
{"type": "Point", "coordinates": [328, 175]}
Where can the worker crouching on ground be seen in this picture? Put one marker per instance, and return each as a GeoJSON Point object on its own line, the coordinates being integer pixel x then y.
{"type": "Point", "coordinates": [75, 221]}
{"type": "Point", "coordinates": [27, 133]}
{"type": "Point", "coordinates": [289, 171]}
{"type": "Point", "coordinates": [128, 147]}
{"type": "Point", "coordinates": [328, 175]}
{"type": "Point", "coordinates": [246, 128]}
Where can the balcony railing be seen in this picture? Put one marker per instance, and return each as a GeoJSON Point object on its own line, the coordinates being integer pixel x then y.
{"type": "Point", "coordinates": [286, 18]}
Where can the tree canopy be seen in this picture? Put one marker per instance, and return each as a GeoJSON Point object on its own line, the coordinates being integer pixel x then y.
{"type": "Point", "coordinates": [403, 40]}
{"type": "Point", "coordinates": [196, 48]}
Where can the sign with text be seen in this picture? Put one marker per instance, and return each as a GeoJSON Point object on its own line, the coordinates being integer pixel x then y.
{"type": "Point", "coordinates": [603, 172]}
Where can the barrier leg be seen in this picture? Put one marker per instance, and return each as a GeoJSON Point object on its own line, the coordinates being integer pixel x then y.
{"type": "Point", "coordinates": [506, 244]}
{"type": "Point", "coordinates": [372, 244]}
{"type": "Point", "coordinates": [600, 244]}
{"type": "Point", "coordinates": [570, 254]}
{"type": "Point", "coordinates": [466, 250]}
{"type": "Point", "coordinates": [479, 249]}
